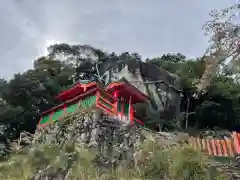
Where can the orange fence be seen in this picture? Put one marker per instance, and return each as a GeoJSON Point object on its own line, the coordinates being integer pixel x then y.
{"type": "Point", "coordinates": [218, 147]}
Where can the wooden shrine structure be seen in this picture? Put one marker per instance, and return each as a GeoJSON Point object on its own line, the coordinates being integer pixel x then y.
{"type": "Point", "coordinates": [115, 99]}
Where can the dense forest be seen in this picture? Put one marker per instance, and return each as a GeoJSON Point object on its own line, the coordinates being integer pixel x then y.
{"type": "Point", "coordinates": [26, 95]}
{"type": "Point", "coordinates": [210, 97]}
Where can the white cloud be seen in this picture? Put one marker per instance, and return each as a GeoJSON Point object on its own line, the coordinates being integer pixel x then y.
{"type": "Point", "coordinates": [148, 27]}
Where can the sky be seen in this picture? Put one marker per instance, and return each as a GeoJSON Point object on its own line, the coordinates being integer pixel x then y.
{"type": "Point", "coordinates": [149, 27]}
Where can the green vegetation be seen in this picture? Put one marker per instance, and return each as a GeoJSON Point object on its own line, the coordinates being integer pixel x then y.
{"type": "Point", "coordinates": [210, 100]}
{"type": "Point", "coordinates": [29, 93]}
{"type": "Point", "coordinates": [152, 161]}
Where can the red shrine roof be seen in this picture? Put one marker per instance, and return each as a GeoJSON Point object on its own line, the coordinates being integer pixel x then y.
{"type": "Point", "coordinates": [79, 91]}
{"type": "Point", "coordinates": [127, 90]}
{"type": "Point", "coordinates": [75, 90]}
{"type": "Point", "coordinates": [76, 98]}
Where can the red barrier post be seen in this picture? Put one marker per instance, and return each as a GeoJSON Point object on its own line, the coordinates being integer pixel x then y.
{"type": "Point", "coordinates": [236, 143]}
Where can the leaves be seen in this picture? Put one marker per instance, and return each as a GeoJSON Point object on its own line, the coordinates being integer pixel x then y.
{"type": "Point", "coordinates": [26, 95]}
{"type": "Point", "coordinates": [223, 53]}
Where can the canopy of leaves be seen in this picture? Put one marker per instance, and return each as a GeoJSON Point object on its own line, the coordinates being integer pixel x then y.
{"type": "Point", "coordinates": [26, 95]}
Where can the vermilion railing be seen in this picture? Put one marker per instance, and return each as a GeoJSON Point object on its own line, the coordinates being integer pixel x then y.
{"type": "Point", "coordinates": [227, 147]}
{"type": "Point", "coordinates": [110, 105]}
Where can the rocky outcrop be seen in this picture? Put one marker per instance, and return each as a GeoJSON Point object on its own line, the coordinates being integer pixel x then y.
{"type": "Point", "coordinates": [161, 86]}
{"type": "Point", "coordinates": [114, 141]}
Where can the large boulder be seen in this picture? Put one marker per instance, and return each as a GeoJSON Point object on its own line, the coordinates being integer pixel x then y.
{"type": "Point", "coordinates": [161, 86]}
{"type": "Point", "coordinates": [114, 141]}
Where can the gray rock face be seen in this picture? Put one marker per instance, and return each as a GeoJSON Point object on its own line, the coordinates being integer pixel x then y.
{"type": "Point", "coordinates": [161, 86]}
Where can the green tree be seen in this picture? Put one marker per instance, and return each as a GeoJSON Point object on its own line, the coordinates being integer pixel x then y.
{"type": "Point", "coordinates": [82, 57]}
{"type": "Point", "coordinates": [219, 107]}
{"type": "Point", "coordinates": [223, 30]}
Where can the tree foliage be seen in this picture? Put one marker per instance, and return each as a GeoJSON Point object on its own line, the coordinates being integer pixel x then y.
{"type": "Point", "coordinates": [223, 52]}
{"type": "Point", "coordinates": [219, 107]}
{"type": "Point", "coordinates": [27, 94]}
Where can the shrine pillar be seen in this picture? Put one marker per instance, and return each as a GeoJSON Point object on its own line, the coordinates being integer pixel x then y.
{"type": "Point", "coordinates": [130, 111]}
{"type": "Point", "coordinates": [116, 95]}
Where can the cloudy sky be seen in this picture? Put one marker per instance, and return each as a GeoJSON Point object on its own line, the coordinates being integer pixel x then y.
{"type": "Point", "coordinates": [150, 27]}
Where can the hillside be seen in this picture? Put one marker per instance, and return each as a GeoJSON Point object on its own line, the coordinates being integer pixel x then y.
{"type": "Point", "coordinates": [89, 145]}
{"type": "Point", "coordinates": [80, 146]}
{"type": "Point", "coordinates": [165, 98]}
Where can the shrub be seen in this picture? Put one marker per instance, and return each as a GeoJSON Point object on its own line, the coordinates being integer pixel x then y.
{"type": "Point", "coordinates": [188, 164]}
{"type": "Point", "coordinates": [175, 163]}
{"type": "Point", "coordinates": [152, 161]}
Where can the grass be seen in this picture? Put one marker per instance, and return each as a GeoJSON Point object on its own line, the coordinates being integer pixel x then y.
{"type": "Point", "coordinates": [152, 161]}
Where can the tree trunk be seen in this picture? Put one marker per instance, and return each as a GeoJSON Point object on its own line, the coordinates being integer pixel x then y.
{"type": "Point", "coordinates": [188, 103]}
{"type": "Point", "coordinates": [212, 62]}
